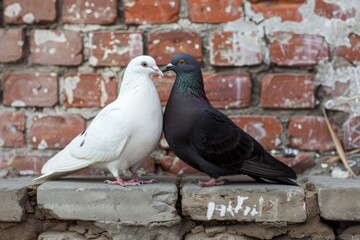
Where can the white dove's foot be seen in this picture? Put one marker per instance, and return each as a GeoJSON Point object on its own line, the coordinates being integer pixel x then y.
{"type": "Point", "coordinates": [122, 182]}
{"type": "Point", "coordinates": [137, 179]}
{"type": "Point", "coordinates": [211, 182]}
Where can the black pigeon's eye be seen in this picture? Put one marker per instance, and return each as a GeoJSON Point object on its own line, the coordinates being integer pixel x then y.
{"type": "Point", "coordinates": [182, 61]}
{"type": "Point", "coordinates": [144, 64]}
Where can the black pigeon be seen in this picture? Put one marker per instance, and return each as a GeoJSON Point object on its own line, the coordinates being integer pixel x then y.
{"type": "Point", "coordinates": [207, 139]}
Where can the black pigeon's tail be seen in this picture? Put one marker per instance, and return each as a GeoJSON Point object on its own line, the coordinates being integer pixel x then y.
{"type": "Point", "coordinates": [269, 168]}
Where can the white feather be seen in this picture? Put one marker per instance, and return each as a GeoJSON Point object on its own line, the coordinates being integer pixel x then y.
{"type": "Point", "coordinates": [123, 134]}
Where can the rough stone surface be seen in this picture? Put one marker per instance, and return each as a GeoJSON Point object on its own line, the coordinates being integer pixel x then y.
{"type": "Point", "coordinates": [310, 133]}
{"type": "Point", "coordinates": [214, 11]}
{"type": "Point", "coordinates": [30, 89]}
{"type": "Point", "coordinates": [265, 129]}
{"type": "Point", "coordinates": [11, 44]}
{"type": "Point", "coordinates": [220, 236]}
{"type": "Point", "coordinates": [235, 48]}
{"type": "Point", "coordinates": [29, 11]}
{"type": "Point", "coordinates": [351, 129]}
{"type": "Point", "coordinates": [287, 49]}
{"type": "Point", "coordinates": [163, 45]}
{"type": "Point", "coordinates": [56, 47]}
{"type": "Point", "coordinates": [13, 198]}
{"type": "Point", "coordinates": [338, 198]}
{"type": "Point", "coordinates": [289, 91]}
{"type": "Point", "coordinates": [89, 12]}
{"type": "Point", "coordinates": [151, 11]}
{"type": "Point", "coordinates": [250, 202]}
{"type": "Point", "coordinates": [89, 89]}
{"type": "Point", "coordinates": [114, 48]}
{"type": "Point", "coordinates": [152, 203]}
{"type": "Point", "coordinates": [52, 235]}
{"type": "Point", "coordinates": [12, 129]}
{"type": "Point", "coordinates": [55, 132]}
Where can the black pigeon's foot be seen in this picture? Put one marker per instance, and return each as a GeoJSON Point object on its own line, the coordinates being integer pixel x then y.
{"type": "Point", "coordinates": [211, 182]}
{"type": "Point", "coordinates": [122, 182]}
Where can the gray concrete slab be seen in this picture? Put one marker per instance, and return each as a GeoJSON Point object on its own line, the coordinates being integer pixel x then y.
{"type": "Point", "coordinates": [13, 198]}
{"type": "Point", "coordinates": [97, 201]}
{"type": "Point", "coordinates": [245, 201]}
{"type": "Point", "coordinates": [338, 199]}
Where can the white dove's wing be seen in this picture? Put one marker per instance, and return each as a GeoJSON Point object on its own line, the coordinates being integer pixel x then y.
{"type": "Point", "coordinates": [102, 141]}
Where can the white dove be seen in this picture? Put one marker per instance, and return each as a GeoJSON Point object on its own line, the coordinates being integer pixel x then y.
{"type": "Point", "coordinates": [122, 135]}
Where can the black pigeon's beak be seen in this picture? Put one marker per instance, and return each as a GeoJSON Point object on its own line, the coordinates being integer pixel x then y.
{"type": "Point", "coordinates": [168, 67]}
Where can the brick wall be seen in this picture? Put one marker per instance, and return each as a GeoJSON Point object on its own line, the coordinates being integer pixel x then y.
{"type": "Point", "coordinates": [270, 65]}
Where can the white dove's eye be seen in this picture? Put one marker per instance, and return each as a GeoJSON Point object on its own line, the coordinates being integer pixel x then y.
{"type": "Point", "coordinates": [144, 64]}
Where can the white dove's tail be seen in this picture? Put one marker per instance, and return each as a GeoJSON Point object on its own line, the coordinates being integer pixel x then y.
{"type": "Point", "coordinates": [60, 165]}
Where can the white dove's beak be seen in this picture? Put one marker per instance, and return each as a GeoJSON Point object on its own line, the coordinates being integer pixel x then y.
{"type": "Point", "coordinates": [157, 71]}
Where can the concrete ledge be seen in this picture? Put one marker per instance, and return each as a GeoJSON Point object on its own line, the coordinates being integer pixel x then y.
{"type": "Point", "coordinates": [13, 196]}
{"type": "Point", "coordinates": [249, 202]}
{"type": "Point", "coordinates": [96, 201]}
{"type": "Point", "coordinates": [338, 199]}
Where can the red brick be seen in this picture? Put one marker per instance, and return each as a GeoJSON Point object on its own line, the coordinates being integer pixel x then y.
{"type": "Point", "coordinates": [56, 47]}
{"type": "Point", "coordinates": [289, 91]}
{"type": "Point", "coordinates": [12, 129]}
{"type": "Point", "coordinates": [228, 90]}
{"type": "Point", "coordinates": [287, 49]}
{"type": "Point", "coordinates": [89, 89]}
{"type": "Point", "coordinates": [25, 164]}
{"type": "Point", "coordinates": [147, 167]}
{"type": "Point", "coordinates": [151, 11]}
{"type": "Point", "coordinates": [333, 10]}
{"type": "Point", "coordinates": [351, 129]}
{"type": "Point", "coordinates": [89, 12]}
{"type": "Point", "coordinates": [29, 11]}
{"type": "Point", "coordinates": [173, 165]}
{"type": "Point", "coordinates": [265, 129]}
{"type": "Point", "coordinates": [214, 11]}
{"type": "Point", "coordinates": [11, 44]}
{"type": "Point", "coordinates": [300, 163]}
{"type": "Point", "coordinates": [310, 133]}
{"type": "Point", "coordinates": [163, 45]}
{"type": "Point", "coordinates": [286, 10]}
{"type": "Point", "coordinates": [55, 132]}
{"type": "Point", "coordinates": [235, 49]}
{"type": "Point", "coordinates": [350, 53]}
{"type": "Point", "coordinates": [114, 48]}
{"type": "Point", "coordinates": [224, 90]}
{"type": "Point", "coordinates": [30, 89]}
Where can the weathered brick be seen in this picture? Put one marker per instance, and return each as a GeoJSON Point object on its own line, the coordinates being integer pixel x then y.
{"type": "Point", "coordinates": [30, 89]}
{"type": "Point", "coordinates": [214, 11]}
{"type": "Point", "coordinates": [12, 129]}
{"type": "Point", "coordinates": [299, 163]}
{"type": "Point", "coordinates": [350, 53]}
{"type": "Point", "coordinates": [25, 164]}
{"type": "Point", "coordinates": [89, 89]}
{"type": "Point", "coordinates": [163, 45]}
{"type": "Point", "coordinates": [235, 48]}
{"type": "Point", "coordinates": [334, 10]}
{"type": "Point", "coordinates": [56, 47]}
{"type": "Point", "coordinates": [351, 129]}
{"type": "Point", "coordinates": [224, 90]}
{"type": "Point", "coordinates": [287, 49]}
{"type": "Point", "coordinates": [89, 12]}
{"type": "Point", "coordinates": [29, 11]}
{"type": "Point", "coordinates": [265, 129]}
{"type": "Point", "coordinates": [174, 165]}
{"type": "Point", "coordinates": [290, 91]}
{"type": "Point", "coordinates": [55, 132]}
{"type": "Point", "coordinates": [11, 44]}
{"type": "Point", "coordinates": [286, 10]}
{"type": "Point", "coordinates": [151, 11]}
{"type": "Point", "coordinates": [310, 133]}
{"type": "Point", "coordinates": [114, 48]}
{"type": "Point", "coordinates": [228, 90]}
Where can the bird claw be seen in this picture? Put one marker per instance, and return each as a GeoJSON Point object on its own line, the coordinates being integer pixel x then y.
{"type": "Point", "coordinates": [145, 181]}
{"type": "Point", "coordinates": [211, 182]}
{"type": "Point", "coordinates": [122, 183]}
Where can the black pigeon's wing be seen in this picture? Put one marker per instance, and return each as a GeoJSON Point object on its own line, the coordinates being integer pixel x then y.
{"type": "Point", "coordinates": [221, 142]}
